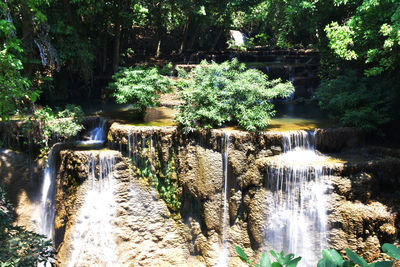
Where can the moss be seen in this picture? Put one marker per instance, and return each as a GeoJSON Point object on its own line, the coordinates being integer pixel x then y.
{"type": "Point", "coordinates": [161, 175]}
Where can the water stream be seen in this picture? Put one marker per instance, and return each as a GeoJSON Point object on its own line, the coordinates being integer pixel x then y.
{"type": "Point", "coordinates": [48, 191]}
{"type": "Point", "coordinates": [47, 199]}
{"type": "Point", "coordinates": [99, 133]}
{"type": "Point", "coordinates": [297, 221]}
{"type": "Point", "coordinates": [223, 259]}
{"type": "Point", "coordinates": [93, 239]}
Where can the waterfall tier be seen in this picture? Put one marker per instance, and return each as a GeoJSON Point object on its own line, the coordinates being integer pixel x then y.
{"type": "Point", "coordinates": [298, 205]}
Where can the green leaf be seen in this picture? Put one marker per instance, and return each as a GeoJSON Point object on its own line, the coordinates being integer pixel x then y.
{"type": "Point", "coordinates": [355, 258]}
{"type": "Point", "coordinates": [265, 260]}
{"type": "Point", "coordinates": [276, 264]}
{"type": "Point", "coordinates": [273, 253]}
{"type": "Point", "coordinates": [294, 262]}
{"type": "Point", "coordinates": [325, 263]}
{"type": "Point", "coordinates": [333, 256]}
{"type": "Point", "coordinates": [348, 264]}
{"type": "Point", "coordinates": [286, 259]}
{"type": "Point", "coordinates": [242, 254]}
{"type": "Point", "coordinates": [391, 250]}
{"type": "Point", "coordinates": [381, 264]}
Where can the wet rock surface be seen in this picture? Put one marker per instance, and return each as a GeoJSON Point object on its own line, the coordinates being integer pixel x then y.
{"type": "Point", "coordinates": [142, 228]}
{"type": "Point", "coordinates": [356, 187]}
{"type": "Point", "coordinates": [20, 177]}
{"type": "Point", "coordinates": [363, 198]}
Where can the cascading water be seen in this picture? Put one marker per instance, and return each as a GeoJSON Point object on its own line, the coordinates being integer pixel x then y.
{"type": "Point", "coordinates": [93, 240]}
{"type": "Point", "coordinates": [47, 201]}
{"type": "Point", "coordinates": [99, 133]}
{"type": "Point", "coordinates": [297, 221]}
{"type": "Point", "coordinates": [223, 259]}
{"type": "Point", "coordinates": [97, 136]}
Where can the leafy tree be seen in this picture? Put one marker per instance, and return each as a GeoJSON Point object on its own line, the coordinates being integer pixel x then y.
{"type": "Point", "coordinates": [15, 91]}
{"type": "Point", "coordinates": [19, 247]}
{"type": "Point", "coordinates": [357, 101]}
{"type": "Point", "coordinates": [215, 94]}
{"type": "Point", "coordinates": [140, 86]}
{"type": "Point", "coordinates": [369, 35]}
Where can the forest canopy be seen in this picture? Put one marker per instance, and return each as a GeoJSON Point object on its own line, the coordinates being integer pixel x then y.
{"type": "Point", "coordinates": [69, 50]}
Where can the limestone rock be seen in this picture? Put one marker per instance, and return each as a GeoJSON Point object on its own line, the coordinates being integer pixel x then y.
{"type": "Point", "coordinates": [360, 227]}
{"type": "Point", "coordinates": [337, 139]}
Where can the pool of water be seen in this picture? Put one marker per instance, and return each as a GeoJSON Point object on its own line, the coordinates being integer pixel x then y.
{"type": "Point", "coordinates": [289, 116]}
{"type": "Point", "coordinates": [293, 116]}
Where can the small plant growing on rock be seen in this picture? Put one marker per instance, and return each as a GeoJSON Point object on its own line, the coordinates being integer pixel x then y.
{"type": "Point", "coordinates": [265, 261]}
{"type": "Point", "coordinates": [332, 258]}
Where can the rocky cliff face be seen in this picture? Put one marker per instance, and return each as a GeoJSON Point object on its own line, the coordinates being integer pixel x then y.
{"type": "Point", "coordinates": [20, 177]}
{"type": "Point", "coordinates": [139, 226]}
{"type": "Point", "coordinates": [361, 214]}
{"type": "Point", "coordinates": [168, 195]}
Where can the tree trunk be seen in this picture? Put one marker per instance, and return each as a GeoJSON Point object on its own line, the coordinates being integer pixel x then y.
{"type": "Point", "coordinates": [217, 39]}
{"type": "Point", "coordinates": [104, 59]}
{"type": "Point", "coordinates": [191, 41]}
{"type": "Point", "coordinates": [116, 55]}
{"type": "Point", "coordinates": [158, 51]}
{"type": "Point", "coordinates": [185, 33]}
{"type": "Point", "coordinates": [27, 39]}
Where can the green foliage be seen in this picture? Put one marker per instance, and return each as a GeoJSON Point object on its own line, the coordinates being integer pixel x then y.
{"type": "Point", "coordinates": [280, 259]}
{"type": "Point", "coordinates": [356, 101]}
{"type": "Point", "coordinates": [391, 250]}
{"type": "Point", "coordinates": [19, 247]}
{"type": "Point", "coordinates": [370, 34]}
{"type": "Point", "coordinates": [163, 177]}
{"type": "Point", "coordinates": [140, 86]}
{"type": "Point", "coordinates": [60, 124]}
{"type": "Point", "coordinates": [332, 258]}
{"type": "Point", "coordinates": [15, 91]}
{"type": "Point", "coordinates": [215, 94]}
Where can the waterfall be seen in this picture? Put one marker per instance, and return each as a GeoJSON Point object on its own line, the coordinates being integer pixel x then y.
{"type": "Point", "coordinates": [297, 220]}
{"type": "Point", "coordinates": [93, 241]}
{"type": "Point", "coordinates": [48, 194]}
{"type": "Point", "coordinates": [223, 259]}
{"type": "Point", "coordinates": [99, 133]}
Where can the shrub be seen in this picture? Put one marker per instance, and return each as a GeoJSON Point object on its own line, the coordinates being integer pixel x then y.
{"type": "Point", "coordinates": [60, 124]}
{"type": "Point", "coordinates": [357, 101]}
{"type": "Point", "coordinates": [215, 94]}
{"type": "Point", "coordinates": [265, 261]}
{"type": "Point", "coordinates": [140, 86]}
{"type": "Point", "coordinates": [330, 258]}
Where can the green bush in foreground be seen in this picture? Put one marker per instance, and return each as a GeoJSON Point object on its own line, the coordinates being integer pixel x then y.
{"type": "Point", "coordinates": [330, 258]}
{"type": "Point", "coordinates": [140, 86]}
{"type": "Point", "coordinates": [215, 94]}
{"type": "Point", "coordinates": [265, 261]}
{"type": "Point", "coordinates": [19, 247]}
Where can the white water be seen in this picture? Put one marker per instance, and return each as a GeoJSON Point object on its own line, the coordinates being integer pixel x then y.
{"type": "Point", "coordinates": [47, 200]}
{"type": "Point", "coordinates": [223, 258]}
{"type": "Point", "coordinates": [238, 37]}
{"type": "Point", "coordinates": [99, 133]}
{"type": "Point", "coordinates": [93, 241]}
{"type": "Point", "coordinates": [297, 220]}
